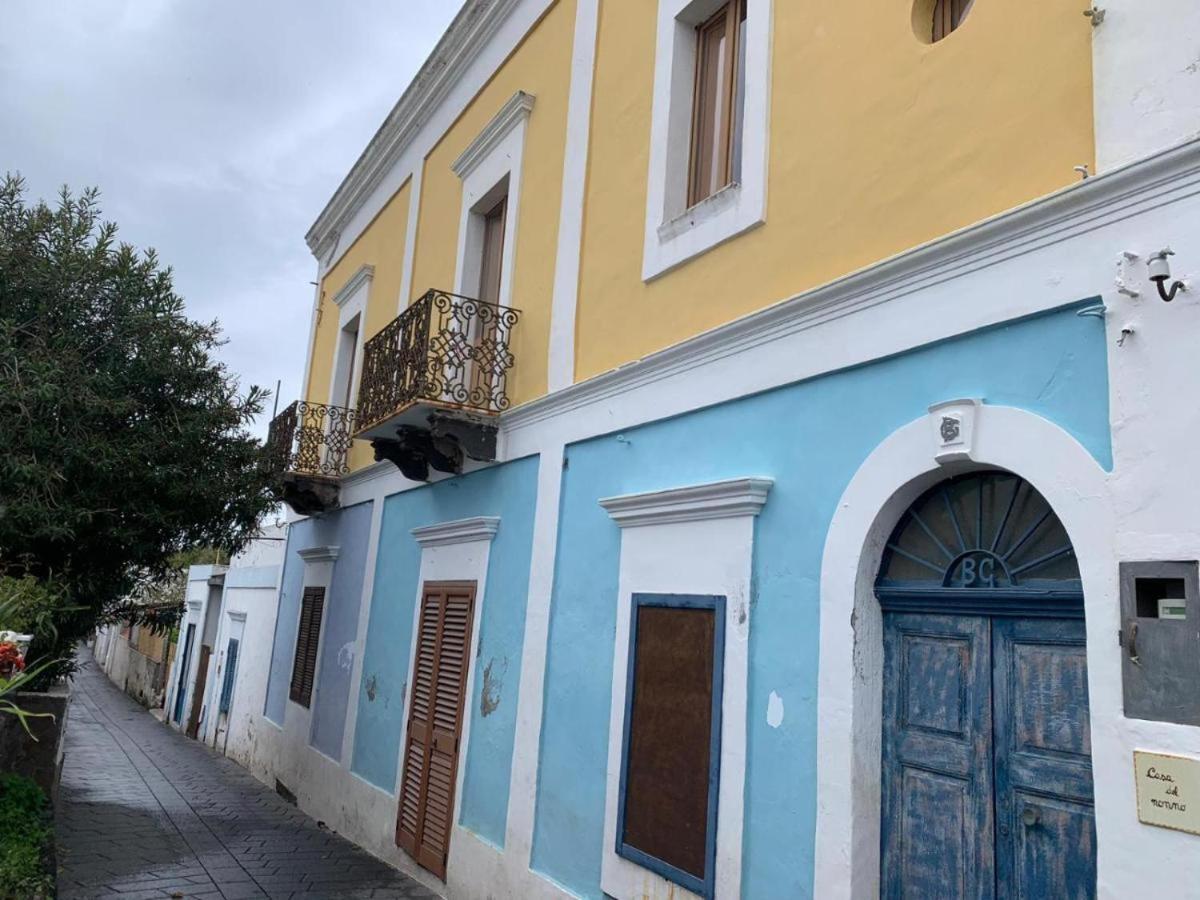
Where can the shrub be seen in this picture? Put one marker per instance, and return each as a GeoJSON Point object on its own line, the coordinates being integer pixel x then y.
{"type": "Point", "coordinates": [24, 840]}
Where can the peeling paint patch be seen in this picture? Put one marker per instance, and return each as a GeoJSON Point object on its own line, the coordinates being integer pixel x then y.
{"type": "Point", "coordinates": [372, 688]}
{"type": "Point", "coordinates": [345, 655]}
{"type": "Point", "coordinates": [775, 710]}
{"type": "Point", "coordinates": [493, 684]}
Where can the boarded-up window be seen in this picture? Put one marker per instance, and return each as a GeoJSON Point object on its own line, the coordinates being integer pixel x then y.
{"type": "Point", "coordinates": [304, 666]}
{"type": "Point", "coordinates": [668, 800]}
{"type": "Point", "coordinates": [435, 714]}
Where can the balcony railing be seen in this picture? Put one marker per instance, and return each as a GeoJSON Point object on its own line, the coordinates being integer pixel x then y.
{"type": "Point", "coordinates": [445, 350]}
{"type": "Point", "coordinates": [311, 439]}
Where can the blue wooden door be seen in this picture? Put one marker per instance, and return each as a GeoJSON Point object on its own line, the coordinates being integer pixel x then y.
{"type": "Point", "coordinates": [986, 759]}
{"type": "Point", "coordinates": [937, 752]}
{"type": "Point", "coordinates": [1046, 831]}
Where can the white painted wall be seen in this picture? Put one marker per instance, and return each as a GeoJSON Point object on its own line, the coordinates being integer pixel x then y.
{"type": "Point", "coordinates": [1147, 78]}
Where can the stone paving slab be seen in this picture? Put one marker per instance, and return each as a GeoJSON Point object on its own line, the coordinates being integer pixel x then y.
{"type": "Point", "coordinates": [144, 812]}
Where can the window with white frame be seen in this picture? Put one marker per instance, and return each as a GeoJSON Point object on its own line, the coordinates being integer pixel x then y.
{"type": "Point", "coordinates": [709, 128]}
{"type": "Point", "coordinates": [351, 304]}
{"type": "Point", "coordinates": [490, 170]}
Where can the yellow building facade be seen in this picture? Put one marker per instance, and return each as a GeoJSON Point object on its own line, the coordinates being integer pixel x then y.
{"type": "Point", "coordinates": [877, 141]}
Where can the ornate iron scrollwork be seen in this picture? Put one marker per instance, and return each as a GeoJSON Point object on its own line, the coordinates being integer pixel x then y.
{"type": "Point", "coordinates": [444, 349]}
{"type": "Point", "coordinates": [311, 439]}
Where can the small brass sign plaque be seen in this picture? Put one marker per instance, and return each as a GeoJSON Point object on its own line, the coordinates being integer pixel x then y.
{"type": "Point", "coordinates": [1168, 790]}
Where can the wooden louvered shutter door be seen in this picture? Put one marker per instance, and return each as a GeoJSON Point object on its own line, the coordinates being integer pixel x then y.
{"type": "Point", "coordinates": [304, 667]}
{"type": "Point", "coordinates": [439, 683]}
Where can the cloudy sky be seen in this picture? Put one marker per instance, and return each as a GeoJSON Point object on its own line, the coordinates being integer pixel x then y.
{"type": "Point", "coordinates": [216, 131]}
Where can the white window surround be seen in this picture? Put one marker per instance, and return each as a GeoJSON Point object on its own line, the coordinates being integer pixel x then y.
{"type": "Point", "coordinates": [453, 551]}
{"type": "Point", "coordinates": [490, 168]}
{"type": "Point", "coordinates": [350, 302]}
{"type": "Point", "coordinates": [318, 572]}
{"type": "Point", "coordinates": [693, 540]}
{"type": "Point", "coordinates": [675, 233]}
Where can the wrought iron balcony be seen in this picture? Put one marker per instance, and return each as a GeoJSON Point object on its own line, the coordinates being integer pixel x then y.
{"type": "Point", "coordinates": [308, 447]}
{"type": "Point", "coordinates": [444, 352]}
{"type": "Point", "coordinates": [434, 380]}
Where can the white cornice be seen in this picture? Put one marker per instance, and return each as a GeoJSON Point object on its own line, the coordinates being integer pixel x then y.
{"type": "Point", "coordinates": [363, 276]}
{"type": "Point", "coordinates": [237, 615]}
{"type": "Point", "coordinates": [719, 500]}
{"type": "Point", "coordinates": [318, 554]}
{"type": "Point", "coordinates": [1074, 211]}
{"type": "Point", "coordinates": [471, 29]}
{"type": "Point", "coordinates": [513, 113]}
{"type": "Point", "coordinates": [460, 531]}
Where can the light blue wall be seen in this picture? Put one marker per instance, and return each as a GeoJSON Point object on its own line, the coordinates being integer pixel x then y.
{"type": "Point", "coordinates": [347, 572]}
{"type": "Point", "coordinates": [811, 438]}
{"type": "Point", "coordinates": [339, 631]}
{"type": "Point", "coordinates": [507, 491]}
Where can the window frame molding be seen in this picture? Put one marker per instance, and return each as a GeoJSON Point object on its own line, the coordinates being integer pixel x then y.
{"type": "Point", "coordinates": [696, 540]}
{"type": "Point", "coordinates": [674, 232]}
{"type": "Point", "coordinates": [705, 886]}
{"type": "Point", "coordinates": [351, 300]}
{"type": "Point", "coordinates": [490, 167]}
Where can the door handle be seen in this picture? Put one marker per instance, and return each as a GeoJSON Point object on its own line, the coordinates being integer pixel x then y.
{"type": "Point", "coordinates": [1132, 643]}
{"type": "Point", "coordinates": [1030, 816]}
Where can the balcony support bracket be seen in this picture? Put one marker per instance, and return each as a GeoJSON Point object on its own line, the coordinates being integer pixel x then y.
{"type": "Point", "coordinates": [477, 439]}
{"type": "Point", "coordinates": [442, 446]}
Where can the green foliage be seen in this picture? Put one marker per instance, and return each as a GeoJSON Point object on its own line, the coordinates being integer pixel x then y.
{"type": "Point", "coordinates": [24, 839]}
{"type": "Point", "coordinates": [125, 440]}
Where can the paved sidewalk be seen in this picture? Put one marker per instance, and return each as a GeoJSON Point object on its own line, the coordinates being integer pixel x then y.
{"type": "Point", "coordinates": [145, 812]}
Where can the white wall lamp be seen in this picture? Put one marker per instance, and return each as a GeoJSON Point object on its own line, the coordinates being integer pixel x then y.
{"type": "Point", "coordinates": [1160, 273]}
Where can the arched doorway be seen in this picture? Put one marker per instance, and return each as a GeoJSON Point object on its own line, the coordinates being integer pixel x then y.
{"type": "Point", "coordinates": [987, 779]}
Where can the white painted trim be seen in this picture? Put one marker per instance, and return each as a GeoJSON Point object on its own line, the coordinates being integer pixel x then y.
{"type": "Point", "coordinates": [561, 364]}
{"type": "Point", "coordinates": [713, 367]}
{"type": "Point", "coordinates": [194, 605]}
{"type": "Point", "coordinates": [363, 276]}
{"type": "Point", "coordinates": [318, 554]}
{"type": "Point", "coordinates": [352, 301]}
{"type": "Point", "coordinates": [500, 159]}
{"type": "Point", "coordinates": [410, 235]}
{"type": "Point", "coordinates": [850, 666]}
{"type": "Point", "coordinates": [675, 233]}
{"type": "Point", "coordinates": [237, 615]}
{"type": "Point", "coordinates": [360, 639]}
{"type": "Point", "coordinates": [718, 500]}
{"type": "Point", "coordinates": [513, 113]}
{"type": "Point", "coordinates": [473, 48]}
{"type": "Point", "coordinates": [522, 794]}
{"type": "Point", "coordinates": [460, 531]}
{"type": "Point", "coordinates": [689, 554]}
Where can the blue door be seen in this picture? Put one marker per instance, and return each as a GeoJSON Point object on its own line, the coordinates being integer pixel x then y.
{"type": "Point", "coordinates": [987, 781]}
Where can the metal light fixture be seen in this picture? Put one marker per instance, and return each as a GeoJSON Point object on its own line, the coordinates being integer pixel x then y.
{"type": "Point", "coordinates": [1160, 274]}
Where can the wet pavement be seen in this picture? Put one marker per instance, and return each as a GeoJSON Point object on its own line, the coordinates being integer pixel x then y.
{"type": "Point", "coordinates": [146, 812]}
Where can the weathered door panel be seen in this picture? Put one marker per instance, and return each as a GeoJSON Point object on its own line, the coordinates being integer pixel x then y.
{"type": "Point", "coordinates": [426, 814]}
{"type": "Point", "coordinates": [1046, 834]}
{"type": "Point", "coordinates": [937, 786]}
{"type": "Point", "coordinates": [193, 726]}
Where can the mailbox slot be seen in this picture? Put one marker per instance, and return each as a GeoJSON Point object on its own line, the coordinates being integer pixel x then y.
{"type": "Point", "coordinates": [1160, 641]}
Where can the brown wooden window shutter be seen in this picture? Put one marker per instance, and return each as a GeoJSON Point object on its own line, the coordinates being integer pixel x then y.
{"type": "Point", "coordinates": [439, 680]}
{"type": "Point", "coordinates": [304, 666]}
{"type": "Point", "coordinates": [667, 807]}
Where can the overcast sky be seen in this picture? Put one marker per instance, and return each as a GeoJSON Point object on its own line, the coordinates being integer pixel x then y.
{"type": "Point", "coordinates": [216, 131]}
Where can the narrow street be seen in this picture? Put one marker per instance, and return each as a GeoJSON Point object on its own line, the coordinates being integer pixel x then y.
{"type": "Point", "coordinates": [145, 812]}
